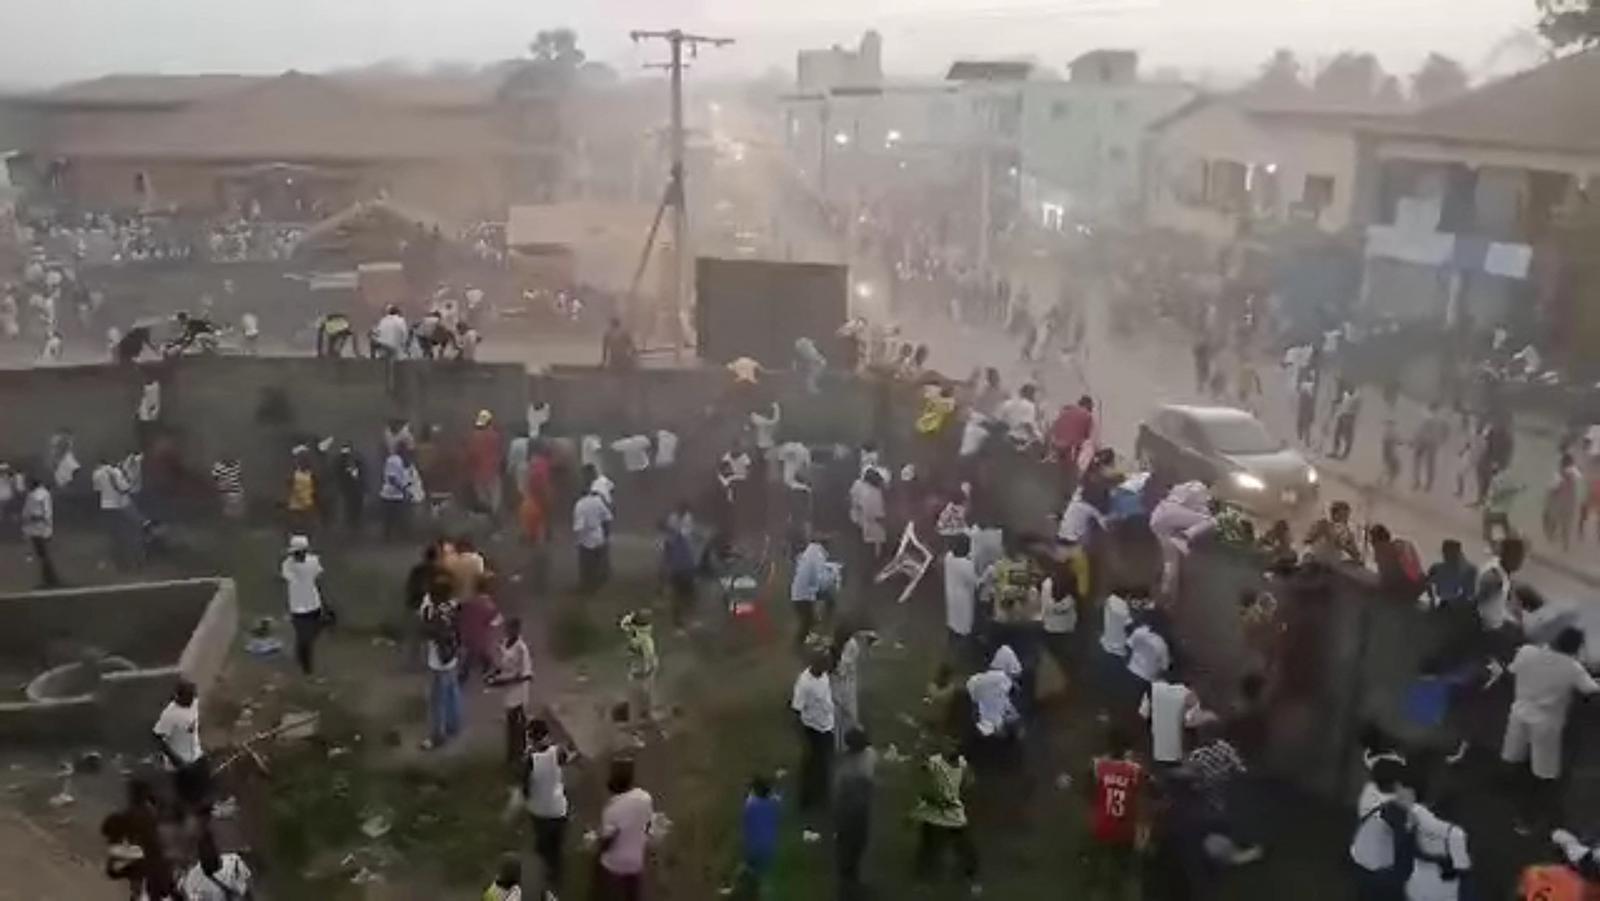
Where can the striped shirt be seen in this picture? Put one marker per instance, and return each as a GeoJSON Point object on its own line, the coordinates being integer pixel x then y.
{"type": "Point", "coordinates": [225, 474]}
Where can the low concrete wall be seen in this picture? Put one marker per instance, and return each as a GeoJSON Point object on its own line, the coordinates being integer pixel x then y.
{"type": "Point", "coordinates": [257, 407]}
{"type": "Point", "coordinates": [134, 621]}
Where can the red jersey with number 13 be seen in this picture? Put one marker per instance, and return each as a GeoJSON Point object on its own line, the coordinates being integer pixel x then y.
{"type": "Point", "coordinates": [1116, 787]}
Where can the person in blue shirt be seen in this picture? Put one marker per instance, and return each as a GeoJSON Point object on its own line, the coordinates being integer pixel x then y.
{"type": "Point", "coordinates": [1453, 579]}
{"type": "Point", "coordinates": [759, 829]}
{"type": "Point", "coordinates": [814, 581]}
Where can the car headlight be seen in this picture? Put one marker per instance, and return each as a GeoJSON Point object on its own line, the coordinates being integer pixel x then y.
{"type": "Point", "coordinates": [1248, 482]}
{"type": "Point", "coordinates": [1311, 475]}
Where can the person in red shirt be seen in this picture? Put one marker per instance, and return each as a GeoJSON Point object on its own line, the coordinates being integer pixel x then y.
{"type": "Point", "coordinates": [1071, 431]}
{"type": "Point", "coordinates": [486, 463]}
{"type": "Point", "coordinates": [534, 513]}
{"type": "Point", "coordinates": [1116, 785]}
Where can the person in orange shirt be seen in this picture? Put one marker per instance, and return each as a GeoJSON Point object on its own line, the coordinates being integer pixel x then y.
{"type": "Point", "coordinates": [486, 463]}
{"type": "Point", "coordinates": [534, 514]}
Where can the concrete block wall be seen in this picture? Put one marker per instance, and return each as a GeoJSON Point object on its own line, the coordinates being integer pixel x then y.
{"type": "Point", "coordinates": [214, 404]}
{"type": "Point", "coordinates": [167, 629]}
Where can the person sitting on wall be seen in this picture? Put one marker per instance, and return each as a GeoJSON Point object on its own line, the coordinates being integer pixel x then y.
{"type": "Point", "coordinates": [334, 334]}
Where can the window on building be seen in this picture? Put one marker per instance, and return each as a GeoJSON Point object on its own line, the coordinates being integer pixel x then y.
{"type": "Point", "coordinates": [1060, 109]}
{"type": "Point", "coordinates": [1317, 194]}
{"type": "Point", "coordinates": [1227, 185]}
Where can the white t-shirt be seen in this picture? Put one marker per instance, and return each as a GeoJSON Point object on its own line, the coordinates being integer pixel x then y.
{"type": "Point", "coordinates": [666, 448]}
{"type": "Point", "coordinates": [626, 816]}
{"type": "Point", "coordinates": [1076, 520]}
{"type": "Point", "coordinates": [635, 451]}
{"type": "Point", "coordinates": [766, 430]}
{"type": "Point", "coordinates": [973, 434]}
{"type": "Point", "coordinates": [738, 465]}
{"type": "Point", "coordinates": [1546, 679]}
{"type": "Point", "coordinates": [250, 325]}
{"type": "Point", "coordinates": [1115, 619]}
{"type": "Point", "coordinates": [589, 517]}
{"type": "Point", "coordinates": [392, 332]}
{"type": "Point", "coordinates": [301, 576]}
{"type": "Point", "coordinates": [960, 593]}
{"type": "Point", "coordinates": [515, 661]}
{"type": "Point", "coordinates": [1059, 616]}
{"type": "Point", "coordinates": [795, 458]}
{"type": "Point", "coordinates": [1166, 707]}
{"type": "Point", "coordinates": [589, 452]}
{"type": "Point", "coordinates": [547, 789]}
{"type": "Point", "coordinates": [538, 415]}
{"type": "Point", "coordinates": [1148, 656]}
{"type": "Point", "coordinates": [228, 883]}
{"type": "Point", "coordinates": [1372, 847]}
{"type": "Point", "coordinates": [990, 692]}
{"type": "Point", "coordinates": [179, 727]}
{"type": "Point", "coordinates": [813, 701]}
{"type": "Point", "coordinates": [112, 486]}
{"type": "Point", "coordinates": [1438, 839]}
{"type": "Point", "coordinates": [1021, 418]}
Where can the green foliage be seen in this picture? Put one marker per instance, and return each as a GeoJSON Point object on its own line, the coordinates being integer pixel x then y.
{"type": "Point", "coordinates": [1570, 23]}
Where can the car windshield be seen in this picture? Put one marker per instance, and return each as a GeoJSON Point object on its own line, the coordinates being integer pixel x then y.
{"type": "Point", "coordinates": [1239, 436]}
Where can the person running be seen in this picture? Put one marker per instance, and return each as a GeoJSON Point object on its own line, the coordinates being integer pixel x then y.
{"type": "Point", "coordinates": [301, 572]}
{"type": "Point", "coordinates": [1116, 782]}
{"type": "Point", "coordinates": [545, 793]}
{"type": "Point", "coordinates": [1430, 436]}
{"type": "Point", "coordinates": [177, 738]}
{"type": "Point", "coordinates": [941, 817]}
{"type": "Point", "coordinates": [1545, 680]}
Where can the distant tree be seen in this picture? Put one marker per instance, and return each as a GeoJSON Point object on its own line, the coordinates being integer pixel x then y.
{"type": "Point", "coordinates": [1280, 75]}
{"type": "Point", "coordinates": [1390, 93]}
{"type": "Point", "coordinates": [1438, 79]}
{"type": "Point", "coordinates": [1351, 77]}
{"type": "Point", "coordinates": [1570, 23]}
{"type": "Point", "coordinates": [597, 74]}
{"type": "Point", "coordinates": [557, 59]}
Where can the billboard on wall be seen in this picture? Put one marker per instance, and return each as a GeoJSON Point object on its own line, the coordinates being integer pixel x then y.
{"type": "Point", "coordinates": [758, 308]}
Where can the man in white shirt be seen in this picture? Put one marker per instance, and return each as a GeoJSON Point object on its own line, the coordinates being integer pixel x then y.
{"type": "Point", "coordinates": [993, 710]}
{"type": "Point", "coordinates": [391, 335]}
{"type": "Point", "coordinates": [177, 737]}
{"type": "Point", "coordinates": [124, 527]}
{"type": "Point", "coordinates": [635, 451]}
{"type": "Point", "coordinates": [513, 675]}
{"type": "Point", "coordinates": [1379, 810]}
{"type": "Point", "coordinates": [301, 570]}
{"type": "Point", "coordinates": [1020, 416]}
{"type": "Point", "coordinates": [545, 791]}
{"type": "Point", "coordinates": [1171, 707]}
{"type": "Point", "coordinates": [38, 527]}
{"type": "Point", "coordinates": [1495, 589]}
{"type": "Point", "coordinates": [960, 595]}
{"type": "Point", "coordinates": [666, 449]}
{"type": "Point", "coordinates": [1546, 678]}
{"type": "Point", "coordinates": [1148, 654]}
{"type": "Point", "coordinates": [624, 834]}
{"type": "Point", "coordinates": [814, 581]}
{"type": "Point", "coordinates": [591, 529]}
{"type": "Point", "coordinates": [812, 702]}
{"type": "Point", "coordinates": [1077, 519]}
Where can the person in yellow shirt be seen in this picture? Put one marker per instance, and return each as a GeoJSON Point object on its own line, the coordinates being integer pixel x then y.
{"type": "Point", "coordinates": [301, 503]}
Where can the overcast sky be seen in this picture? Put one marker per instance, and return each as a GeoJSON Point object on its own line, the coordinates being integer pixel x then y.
{"type": "Point", "coordinates": [47, 41]}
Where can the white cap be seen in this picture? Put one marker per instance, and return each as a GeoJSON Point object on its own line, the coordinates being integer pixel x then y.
{"type": "Point", "coordinates": [299, 543]}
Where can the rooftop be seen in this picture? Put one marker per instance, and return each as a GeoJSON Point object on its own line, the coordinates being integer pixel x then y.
{"type": "Point", "coordinates": [1551, 107]}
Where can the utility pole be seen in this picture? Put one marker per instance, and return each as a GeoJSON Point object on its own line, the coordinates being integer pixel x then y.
{"type": "Point", "coordinates": [677, 193]}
